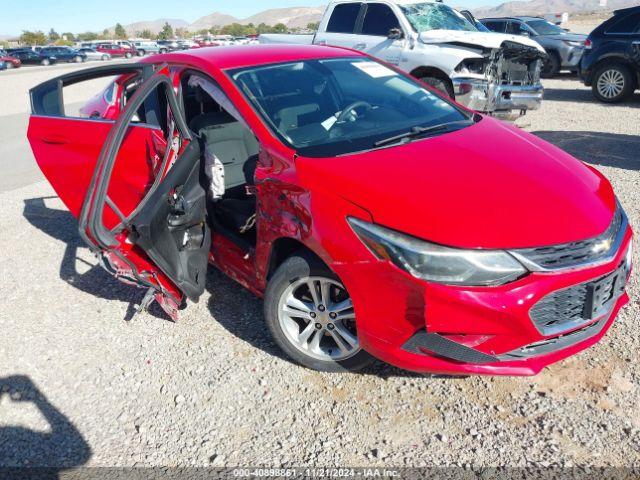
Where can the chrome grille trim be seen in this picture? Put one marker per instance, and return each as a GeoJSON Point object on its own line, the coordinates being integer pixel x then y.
{"type": "Point", "coordinates": [577, 255]}
{"type": "Point", "coordinates": [555, 344]}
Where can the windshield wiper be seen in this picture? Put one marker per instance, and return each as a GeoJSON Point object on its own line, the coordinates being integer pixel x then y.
{"type": "Point", "coordinates": [418, 131]}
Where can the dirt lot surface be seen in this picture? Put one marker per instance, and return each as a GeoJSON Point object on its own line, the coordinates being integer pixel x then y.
{"type": "Point", "coordinates": [212, 389]}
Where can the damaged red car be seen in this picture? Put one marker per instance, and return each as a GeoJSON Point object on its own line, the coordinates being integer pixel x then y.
{"type": "Point", "coordinates": [376, 218]}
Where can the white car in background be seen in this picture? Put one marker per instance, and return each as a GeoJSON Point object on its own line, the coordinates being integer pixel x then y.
{"type": "Point", "coordinates": [93, 54]}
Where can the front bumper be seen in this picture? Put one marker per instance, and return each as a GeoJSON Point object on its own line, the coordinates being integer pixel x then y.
{"type": "Point", "coordinates": [431, 328]}
{"type": "Point", "coordinates": [497, 100]}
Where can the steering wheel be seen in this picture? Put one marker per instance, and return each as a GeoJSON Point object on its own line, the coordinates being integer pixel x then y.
{"type": "Point", "coordinates": [350, 109]}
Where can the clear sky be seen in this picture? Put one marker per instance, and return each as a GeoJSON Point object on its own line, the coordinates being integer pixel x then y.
{"type": "Point", "coordinates": [76, 16]}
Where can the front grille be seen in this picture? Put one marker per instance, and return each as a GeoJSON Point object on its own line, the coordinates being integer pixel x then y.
{"type": "Point", "coordinates": [578, 305]}
{"type": "Point", "coordinates": [574, 254]}
{"type": "Point", "coordinates": [557, 343]}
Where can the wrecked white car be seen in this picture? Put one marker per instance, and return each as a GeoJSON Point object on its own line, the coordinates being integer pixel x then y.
{"type": "Point", "coordinates": [489, 72]}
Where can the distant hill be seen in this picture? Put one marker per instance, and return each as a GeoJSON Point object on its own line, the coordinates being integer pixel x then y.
{"type": "Point", "coordinates": [295, 17]}
{"type": "Point", "coordinates": [216, 19]}
{"type": "Point", "coordinates": [300, 17]}
{"type": "Point", "coordinates": [541, 7]}
{"type": "Point", "coordinates": [155, 26]}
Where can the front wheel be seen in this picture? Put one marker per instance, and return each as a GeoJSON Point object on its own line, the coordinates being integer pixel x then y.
{"type": "Point", "coordinates": [141, 53]}
{"type": "Point", "coordinates": [439, 84]}
{"type": "Point", "coordinates": [613, 83]}
{"type": "Point", "coordinates": [163, 51]}
{"type": "Point", "coordinates": [46, 62]}
{"type": "Point", "coordinates": [77, 59]}
{"type": "Point", "coordinates": [127, 55]}
{"type": "Point", "coordinates": [9, 65]}
{"type": "Point", "coordinates": [105, 58]}
{"type": "Point", "coordinates": [311, 317]}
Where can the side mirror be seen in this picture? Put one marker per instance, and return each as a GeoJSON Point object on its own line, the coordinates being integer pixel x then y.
{"type": "Point", "coordinates": [395, 34]}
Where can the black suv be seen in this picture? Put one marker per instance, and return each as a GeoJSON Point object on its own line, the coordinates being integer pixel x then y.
{"type": "Point", "coordinates": [611, 62]}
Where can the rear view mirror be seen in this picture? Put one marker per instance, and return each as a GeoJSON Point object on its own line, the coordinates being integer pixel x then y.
{"type": "Point", "coordinates": [395, 34]}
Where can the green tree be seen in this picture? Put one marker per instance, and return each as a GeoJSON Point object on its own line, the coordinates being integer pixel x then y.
{"type": "Point", "coordinates": [313, 26]}
{"type": "Point", "coordinates": [33, 38]}
{"type": "Point", "coordinates": [53, 35]}
{"type": "Point", "coordinates": [182, 33]}
{"type": "Point", "coordinates": [280, 28]}
{"type": "Point", "coordinates": [69, 37]}
{"type": "Point", "coordinates": [120, 32]}
{"type": "Point", "coordinates": [87, 36]}
{"type": "Point", "coordinates": [167, 32]}
{"type": "Point", "coordinates": [263, 28]}
{"type": "Point", "coordinates": [105, 34]}
{"type": "Point", "coordinates": [146, 33]}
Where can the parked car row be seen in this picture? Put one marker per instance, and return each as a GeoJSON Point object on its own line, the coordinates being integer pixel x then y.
{"type": "Point", "coordinates": [608, 60]}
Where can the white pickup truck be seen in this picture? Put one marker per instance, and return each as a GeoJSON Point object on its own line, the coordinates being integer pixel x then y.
{"type": "Point", "coordinates": [489, 72]}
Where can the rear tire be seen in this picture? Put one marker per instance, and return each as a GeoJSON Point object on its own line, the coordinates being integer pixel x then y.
{"type": "Point", "coordinates": [105, 58]}
{"type": "Point", "coordinates": [128, 55]}
{"type": "Point", "coordinates": [613, 83]}
{"type": "Point", "coordinates": [141, 53]}
{"type": "Point", "coordinates": [439, 84]}
{"type": "Point", "coordinates": [310, 333]}
{"type": "Point", "coordinates": [77, 59]}
{"type": "Point", "coordinates": [45, 62]}
{"type": "Point", "coordinates": [163, 51]}
{"type": "Point", "coordinates": [9, 65]}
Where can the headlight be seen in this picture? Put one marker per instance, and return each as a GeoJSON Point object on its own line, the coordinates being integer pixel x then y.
{"type": "Point", "coordinates": [436, 263]}
{"type": "Point", "coordinates": [472, 65]}
{"type": "Point", "coordinates": [573, 44]}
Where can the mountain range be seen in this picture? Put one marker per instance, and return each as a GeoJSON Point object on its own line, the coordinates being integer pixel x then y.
{"type": "Point", "coordinates": [541, 7]}
{"type": "Point", "coordinates": [300, 17]}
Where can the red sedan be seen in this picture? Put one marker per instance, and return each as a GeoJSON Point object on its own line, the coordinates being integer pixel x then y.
{"type": "Point", "coordinates": [115, 50]}
{"type": "Point", "coordinates": [10, 62]}
{"type": "Point", "coordinates": [375, 217]}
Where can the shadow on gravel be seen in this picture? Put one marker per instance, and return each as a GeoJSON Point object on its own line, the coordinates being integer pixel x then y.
{"type": "Point", "coordinates": [583, 95]}
{"type": "Point", "coordinates": [93, 279]}
{"type": "Point", "coordinates": [59, 447]}
{"type": "Point", "coordinates": [604, 149]}
{"type": "Point", "coordinates": [240, 313]}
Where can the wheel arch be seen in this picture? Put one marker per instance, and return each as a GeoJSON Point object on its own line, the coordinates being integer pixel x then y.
{"type": "Point", "coordinates": [424, 71]}
{"type": "Point", "coordinates": [283, 248]}
{"type": "Point", "coordinates": [613, 59]}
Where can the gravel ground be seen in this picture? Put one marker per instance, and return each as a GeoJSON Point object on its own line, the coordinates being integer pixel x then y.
{"type": "Point", "coordinates": [213, 389]}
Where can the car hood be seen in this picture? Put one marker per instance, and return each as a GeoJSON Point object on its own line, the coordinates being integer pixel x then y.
{"type": "Point", "coordinates": [481, 39]}
{"type": "Point", "coordinates": [568, 37]}
{"type": "Point", "coordinates": [490, 185]}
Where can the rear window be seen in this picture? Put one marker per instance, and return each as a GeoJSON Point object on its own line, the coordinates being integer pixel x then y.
{"type": "Point", "coordinates": [627, 24]}
{"type": "Point", "coordinates": [344, 17]}
{"type": "Point", "coordinates": [379, 20]}
{"type": "Point", "coordinates": [495, 26]}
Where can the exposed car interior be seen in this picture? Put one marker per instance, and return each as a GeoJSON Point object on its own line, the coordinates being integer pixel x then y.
{"type": "Point", "coordinates": [338, 106]}
{"type": "Point", "coordinates": [224, 135]}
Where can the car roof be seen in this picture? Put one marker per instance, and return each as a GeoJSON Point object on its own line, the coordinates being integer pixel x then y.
{"type": "Point", "coordinates": [627, 10]}
{"type": "Point", "coordinates": [238, 56]}
{"type": "Point", "coordinates": [523, 18]}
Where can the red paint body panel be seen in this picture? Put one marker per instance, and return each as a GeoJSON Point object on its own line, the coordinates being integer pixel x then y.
{"type": "Point", "coordinates": [460, 190]}
{"type": "Point", "coordinates": [486, 186]}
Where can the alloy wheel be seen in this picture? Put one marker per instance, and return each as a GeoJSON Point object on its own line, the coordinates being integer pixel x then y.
{"type": "Point", "coordinates": [611, 83]}
{"type": "Point", "coordinates": [317, 317]}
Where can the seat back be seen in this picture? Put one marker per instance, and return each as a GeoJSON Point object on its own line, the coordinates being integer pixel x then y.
{"type": "Point", "coordinates": [230, 141]}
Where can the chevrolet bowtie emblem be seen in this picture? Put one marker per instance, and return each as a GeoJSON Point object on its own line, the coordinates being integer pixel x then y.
{"type": "Point", "coordinates": [602, 246]}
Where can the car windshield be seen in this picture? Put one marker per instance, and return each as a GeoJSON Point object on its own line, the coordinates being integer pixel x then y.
{"type": "Point", "coordinates": [436, 16]}
{"type": "Point", "coordinates": [338, 106]}
{"type": "Point", "coordinates": [542, 27]}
